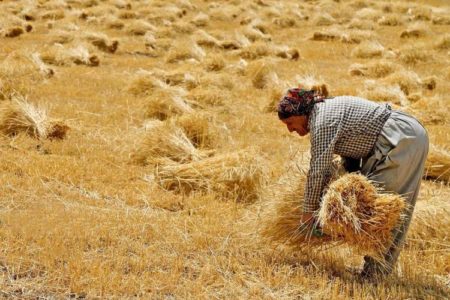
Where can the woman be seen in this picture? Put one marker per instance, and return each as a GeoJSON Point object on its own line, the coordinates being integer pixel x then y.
{"type": "Point", "coordinates": [388, 146]}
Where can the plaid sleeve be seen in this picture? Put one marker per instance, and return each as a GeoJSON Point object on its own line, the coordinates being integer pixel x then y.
{"type": "Point", "coordinates": [322, 148]}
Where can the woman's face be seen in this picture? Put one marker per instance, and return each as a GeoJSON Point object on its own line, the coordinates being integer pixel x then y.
{"type": "Point", "coordinates": [298, 124]}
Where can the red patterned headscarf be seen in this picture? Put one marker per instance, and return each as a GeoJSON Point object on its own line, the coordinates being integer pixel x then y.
{"type": "Point", "coordinates": [298, 102]}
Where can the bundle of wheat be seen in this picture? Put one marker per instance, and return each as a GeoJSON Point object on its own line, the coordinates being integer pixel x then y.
{"type": "Point", "coordinates": [145, 83]}
{"type": "Point", "coordinates": [431, 219]}
{"type": "Point", "coordinates": [199, 128]}
{"type": "Point", "coordinates": [165, 103]}
{"type": "Point", "coordinates": [238, 176]}
{"type": "Point", "coordinates": [328, 35]}
{"type": "Point", "coordinates": [387, 93]}
{"type": "Point", "coordinates": [368, 49]}
{"type": "Point", "coordinates": [209, 96]}
{"type": "Point", "coordinates": [408, 81]}
{"type": "Point", "coordinates": [18, 115]}
{"type": "Point", "coordinates": [60, 56]}
{"type": "Point", "coordinates": [285, 22]}
{"type": "Point", "coordinates": [12, 31]}
{"type": "Point", "coordinates": [253, 33]}
{"type": "Point", "coordinates": [256, 50]}
{"type": "Point", "coordinates": [43, 68]}
{"type": "Point", "coordinates": [102, 42]}
{"type": "Point", "coordinates": [140, 27]}
{"type": "Point", "coordinates": [376, 69]}
{"type": "Point", "coordinates": [443, 43]}
{"type": "Point", "coordinates": [323, 19]}
{"type": "Point", "coordinates": [203, 38]}
{"type": "Point", "coordinates": [416, 30]}
{"type": "Point", "coordinates": [310, 82]}
{"type": "Point", "coordinates": [185, 50]}
{"type": "Point", "coordinates": [215, 63]}
{"type": "Point", "coordinates": [437, 165]}
{"type": "Point", "coordinates": [287, 53]}
{"type": "Point", "coordinates": [200, 20]}
{"type": "Point", "coordinates": [165, 141]}
{"type": "Point", "coordinates": [261, 74]}
{"type": "Point", "coordinates": [390, 20]}
{"type": "Point", "coordinates": [415, 55]}
{"type": "Point", "coordinates": [362, 24]}
{"type": "Point", "coordinates": [354, 211]}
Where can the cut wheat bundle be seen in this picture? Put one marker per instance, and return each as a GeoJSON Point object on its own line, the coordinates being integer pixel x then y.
{"type": "Point", "coordinates": [386, 93]}
{"type": "Point", "coordinates": [60, 56]}
{"type": "Point", "coordinates": [416, 30]}
{"type": "Point", "coordinates": [18, 115]}
{"type": "Point", "coordinates": [145, 83]}
{"type": "Point", "coordinates": [102, 42]}
{"type": "Point", "coordinates": [165, 142]}
{"type": "Point", "coordinates": [261, 74]}
{"type": "Point", "coordinates": [311, 82]}
{"type": "Point", "coordinates": [377, 69]}
{"type": "Point", "coordinates": [368, 49]}
{"type": "Point", "coordinates": [237, 175]}
{"type": "Point", "coordinates": [185, 50]}
{"type": "Point", "coordinates": [43, 68]}
{"type": "Point", "coordinates": [431, 219]}
{"type": "Point", "coordinates": [199, 128]}
{"type": "Point", "coordinates": [165, 103]}
{"type": "Point", "coordinates": [354, 210]}
{"type": "Point", "coordinates": [437, 165]}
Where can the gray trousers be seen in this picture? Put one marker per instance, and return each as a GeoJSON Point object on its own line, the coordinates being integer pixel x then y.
{"type": "Point", "coordinates": [397, 165]}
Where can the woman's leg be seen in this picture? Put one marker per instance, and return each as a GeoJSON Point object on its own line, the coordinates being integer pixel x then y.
{"type": "Point", "coordinates": [397, 165]}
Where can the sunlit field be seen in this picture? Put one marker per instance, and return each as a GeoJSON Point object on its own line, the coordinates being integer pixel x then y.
{"type": "Point", "coordinates": [141, 149]}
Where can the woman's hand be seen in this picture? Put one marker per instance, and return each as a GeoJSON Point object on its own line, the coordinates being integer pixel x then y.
{"type": "Point", "coordinates": [307, 219]}
{"type": "Point", "coordinates": [309, 226]}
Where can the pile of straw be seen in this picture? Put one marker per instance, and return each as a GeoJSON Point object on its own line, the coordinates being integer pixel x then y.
{"type": "Point", "coordinates": [368, 49]}
{"type": "Point", "coordinates": [165, 103]}
{"type": "Point", "coordinates": [165, 142]}
{"type": "Point", "coordinates": [354, 211]}
{"type": "Point", "coordinates": [18, 115]}
{"type": "Point", "coordinates": [199, 128]}
{"type": "Point", "coordinates": [261, 74]}
{"type": "Point", "coordinates": [237, 176]}
{"type": "Point", "coordinates": [386, 93]}
{"type": "Point", "coordinates": [376, 69]}
{"type": "Point", "coordinates": [437, 165]}
{"type": "Point", "coordinates": [431, 219]}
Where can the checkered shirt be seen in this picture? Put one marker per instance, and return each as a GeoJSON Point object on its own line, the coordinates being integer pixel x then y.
{"type": "Point", "coordinates": [347, 126]}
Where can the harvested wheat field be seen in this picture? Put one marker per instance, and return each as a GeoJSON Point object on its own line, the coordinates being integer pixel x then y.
{"type": "Point", "coordinates": [141, 155]}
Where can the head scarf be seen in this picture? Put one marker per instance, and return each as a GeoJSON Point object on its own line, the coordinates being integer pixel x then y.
{"type": "Point", "coordinates": [298, 102]}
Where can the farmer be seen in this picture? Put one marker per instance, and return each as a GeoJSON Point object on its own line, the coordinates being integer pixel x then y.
{"type": "Point", "coordinates": [387, 146]}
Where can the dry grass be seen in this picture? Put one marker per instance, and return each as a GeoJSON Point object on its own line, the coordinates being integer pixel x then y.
{"type": "Point", "coordinates": [79, 219]}
{"type": "Point", "coordinates": [166, 103]}
{"type": "Point", "coordinates": [200, 129]}
{"type": "Point", "coordinates": [376, 69]}
{"type": "Point", "coordinates": [18, 115]}
{"type": "Point", "coordinates": [162, 142]}
{"type": "Point", "coordinates": [386, 93]}
{"type": "Point", "coordinates": [438, 164]}
{"type": "Point", "coordinates": [238, 176]}
{"type": "Point", "coordinates": [368, 49]}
